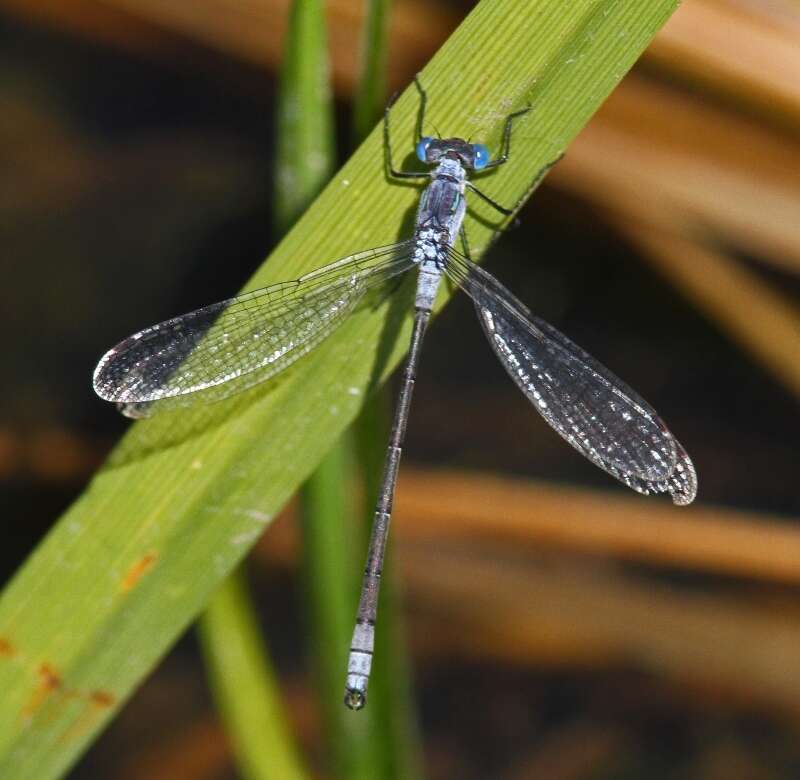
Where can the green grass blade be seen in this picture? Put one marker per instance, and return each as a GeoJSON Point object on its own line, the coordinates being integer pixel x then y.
{"type": "Point", "coordinates": [306, 141]}
{"type": "Point", "coordinates": [184, 496]}
{"type": "Point", "coordinates": [244, 687]}
{"type": "Point", "coordinates": [370, 95]}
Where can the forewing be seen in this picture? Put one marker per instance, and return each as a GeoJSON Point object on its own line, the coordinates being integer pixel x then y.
{"type": "Point", "coordinates": [583, 401]}
{"type": "Point", "coordinates": [219, 350]}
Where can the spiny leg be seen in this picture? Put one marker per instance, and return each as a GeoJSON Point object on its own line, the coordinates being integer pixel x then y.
{"type": "Point", "coordinates": [464, 242]}
{"type": "Point", "coordinates": [387, 141]}
{"type": "Point", "coordinates": [536, 182]}
{"type": "Point", "coordinates": [493, 203]}
{"type": "Point", "coordinates": [423, 104]}
{"type": "Point", "coordinates": [504, 155]}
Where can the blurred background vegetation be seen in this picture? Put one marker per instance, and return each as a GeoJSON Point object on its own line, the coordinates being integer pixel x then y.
{"type": "Point", "coordinates": [625, 638]}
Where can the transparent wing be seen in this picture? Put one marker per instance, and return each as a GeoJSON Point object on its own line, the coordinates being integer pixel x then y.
{"type": "Point", "coordinates": [583, 401]}
{"type": "Point", "coordinates": [219, 350]}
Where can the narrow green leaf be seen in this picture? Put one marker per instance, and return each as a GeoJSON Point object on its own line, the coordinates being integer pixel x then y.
{"type": "Point", "coordinates": [184, 496]}
{"type": "Point", "coordinates": [306, 142]}
{"type": "Point", "coordinates": [370, 95]}
{"type": "Point", "coordinates": [244, 687]}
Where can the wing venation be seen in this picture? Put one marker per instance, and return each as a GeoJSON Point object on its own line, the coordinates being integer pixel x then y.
{"type": "Point", "coordinates": [219, 350]}
{"type": "Point", "coordinates": [583, 401]}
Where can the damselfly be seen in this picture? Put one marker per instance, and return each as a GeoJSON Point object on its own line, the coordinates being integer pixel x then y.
{"type": "Point", "coordinates": [219, 350]}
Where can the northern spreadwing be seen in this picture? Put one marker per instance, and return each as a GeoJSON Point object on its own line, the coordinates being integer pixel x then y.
{"type": "Point", "coordinates": [211, 353]}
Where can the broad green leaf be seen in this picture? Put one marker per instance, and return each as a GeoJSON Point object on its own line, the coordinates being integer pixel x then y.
{"type": "Point", "coordinates": [183, 497]}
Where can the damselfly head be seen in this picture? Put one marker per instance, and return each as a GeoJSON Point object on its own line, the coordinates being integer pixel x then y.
{"type": "Point", "coordinates": [431, 150]}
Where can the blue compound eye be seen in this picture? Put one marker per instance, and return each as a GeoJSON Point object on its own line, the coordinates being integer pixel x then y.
{"type": "Point", "coordinates": [481, 156]}
{"type": "Point", "coordinates": [422, 148]}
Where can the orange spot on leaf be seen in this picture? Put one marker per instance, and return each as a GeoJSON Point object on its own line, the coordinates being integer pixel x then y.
{"type": "Point", "coordinates": [7, 650]}
{"type": "Point", "coordinates": [102, 698]}
{"type": "Point", "coordinates": [137, 571]}
{"type": "Point", "coordinates": [49, 682]}
{"type": "Point", "coordinates": [51, 697]}
{"type": "Point", "coordinates": [49, 678]}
